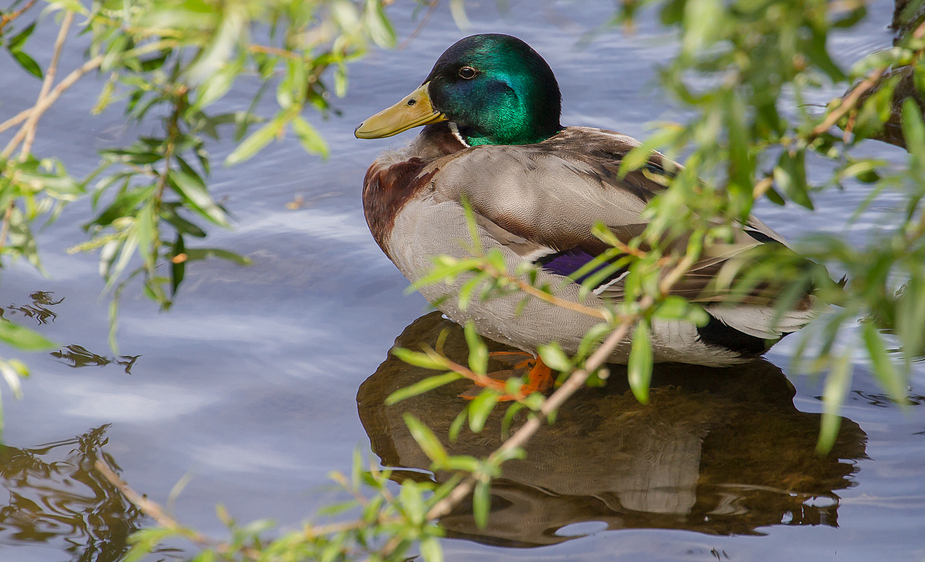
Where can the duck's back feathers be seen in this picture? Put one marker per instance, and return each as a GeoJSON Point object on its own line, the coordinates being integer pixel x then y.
{"type": "Point", "coordinates": [539, 202]}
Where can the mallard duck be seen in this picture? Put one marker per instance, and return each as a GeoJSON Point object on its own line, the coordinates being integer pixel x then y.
{"type": "Point", "coordinates": [490, 110]}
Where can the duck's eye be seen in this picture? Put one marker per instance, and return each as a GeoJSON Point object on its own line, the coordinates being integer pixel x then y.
{"type": "Point", "coordinates": [467, 73]}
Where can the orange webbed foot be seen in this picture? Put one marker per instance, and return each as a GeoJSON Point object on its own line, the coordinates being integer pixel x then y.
{"type": "Point", "coordinates": [539, 376]}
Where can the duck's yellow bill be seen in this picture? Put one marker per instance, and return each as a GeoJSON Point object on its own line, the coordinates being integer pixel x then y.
{"type": "Point", "coordinates": [412, 111]}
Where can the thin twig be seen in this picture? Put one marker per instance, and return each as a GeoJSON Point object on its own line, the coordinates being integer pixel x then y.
{"type": "Point", "coordinates": [526, 431]}
{"type": "Point", "coordinates": [150, 508]}
{"type": "Point", "coordinates": [13, 121]}
{"type": "Point", "coordinates": [417, 30]}
{"type": "Point", "coordinates": [33, 121]}
{"type": "Point", "coordinates": [850, 101]}
{"type": "Point", "coordinates": [5, 226]}
{"type": "Point", "coordinates": [543, 295]}
{"type": "Point", "coordinates": [275, 51]}
{"type": "Point", "coordinates": [10, 17]}
{"type": "Point", "coordinates": [51, 98]}
{"type": "Point", "coordinates": [762, 187]}
{"type": "Point", "coordinates": [568, 388]}
{"type": "Point", "coordinates": [154, 511]}
{"type": "Point", "coordinates": [69, 81]}
{"type": "Point", "coordinates": [27, 133]}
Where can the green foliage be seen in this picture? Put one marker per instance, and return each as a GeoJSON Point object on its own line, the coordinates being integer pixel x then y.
{"type": "Point", "coordinates": [639, 368]}
{"type": "Point", "coordinates": [743, 73]}
{"type": "Point", "coordinates": [175, 59]}
{"type": "Point", "coordinates": [743, 142]}
{"type": "Point", "coordinates": [386, 527]}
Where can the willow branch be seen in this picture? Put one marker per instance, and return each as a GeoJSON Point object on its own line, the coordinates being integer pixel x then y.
{"type": "Point", "coordinates": [150, 508]}
{"type": "Point", "coordinates": [417, 30]}
{"type": "Point", "coordinates": [47, 102]}
{"type": "Point", "coordinates": [33, 121]}
{"type": "Point", "coordinates": [7, 18]}
{"type": "Point", "coordinates": [162, 518]}
{"type": "Point", "coordinates": [849, 102]}
{"type": "Point", "coordinates": [526, 431]}
{"type": "Point", "coordinates": [568, 388]}
{"type": "Point", "coordinates": [13, 121]}
{"type": "Point", "coordinates": [27, 133]}
{"type": "Point", "coordinates": [543, 295]}
{"type": "Point", "coordinates": [75, 75]}
{"type": "Point", "coordinates": [5, 225]}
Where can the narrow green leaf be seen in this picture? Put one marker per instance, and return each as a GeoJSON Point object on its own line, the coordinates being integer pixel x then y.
{"type": "Point", "coordinates": [309, 137]}
{"type": "Point", "coordinates": [71, 5]}
{"type": "Point", "coordinates": [195, 254]}
{"type": "Point", "coordinates": [28, 63]}
{"type": "Point", "coordinates": [431, 550]}
{"type": "Point", "coordinates": [910, 317]}
{"type": "Point", "coordinates": [124, 204]}
{"type": "Point", "coordinates": [378, 26]}
{"type": "Point", "coordinates": [16, 42]}
{"type": "Point", "coordinates": [883, 368]}
{"type": "Point", "coordinates": [458, 422]}
{"type": "Point", "coordinates": [790, 176]}
{"type": "Point", "coordinates": [138, 156]}
{"type": "Point", "coordinates": [553, 356]}
{"type": "Point", "coordinates": [421, 387]}
{"type": "Point", "coordinates": [23, 338]}
{"type": "Point", "coordinates": [177, 264]}
{"type": "Point", "coordinates": [425, 439]}
{"type": "Point", "coordinates": [478, 351]}
{"type": "Point", "coordinates": [640, 156]}
{"type": "Point", "coordinates": [463, 463]}
{"type": "Point", "coordinates": [640, 363]}
{"type": "Point", "coordinates": [145, 540]}
{"type": "Point", "coordinates": [410, 498]}
{"type": "Point", "coordinates": [914, 130]}
{"type": "Point", "coordinates": [703, 21]}
{"type": "Point", "coordinates": [593, 336]}
{"type": "Point", "coordinates": [509, 418]}
{"type": "Point", "coordinates": [12, 371]}
{"type": "Point", "coordinates": [672, 308]}
{"type": "Point", "coordinates": [466, 290]}
{"type": "Point", "coordinates": [340, 80]}
{"type": "Point", "coordinates": [183, 226]}
{"type": "Point", "coordinates": [481, 503]}
{"type": "Point", "coordinates": [480, 408]}
{"type": "Point", "coordinates": [147, 234]}
{"type": "Point", "coordinates": [837, 384]}
{"type": "Point", "coordinates": [419, 359]}
{"type": "Point", "coordinates": [195, 193]}
{"type": "Point", "coordinates": [253, 144]}
{"type": "Point", "coordinates": [217, 85]}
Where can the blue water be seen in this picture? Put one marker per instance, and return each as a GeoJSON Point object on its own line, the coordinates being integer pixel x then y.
{"type": "Point", "coordinates": [248, 386]}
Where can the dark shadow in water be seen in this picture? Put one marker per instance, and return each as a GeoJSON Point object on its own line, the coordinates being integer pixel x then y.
{"type": "Point", "coordinates": [71, 355]}
{"type": "Point", "coordinates": [57, 498]}
{"type": "Point", "coordinates": [38, 309]}
{"type": "Point", "coordinates": [719, 451]}
{"type": "Point", "coordinates": [78, 356]}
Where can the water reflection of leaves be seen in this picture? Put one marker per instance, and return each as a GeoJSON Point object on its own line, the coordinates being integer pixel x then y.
{"type": "Point", "coordinates": [720, 451]}
{"type": "Point", "coordinates": [57, 497]}
{"type": "Point", "coordinates": [78, 356]}
{"type": "Point", "coordinates": [38, 310]}
{"type": "Point", "coordinates": [883, 400]}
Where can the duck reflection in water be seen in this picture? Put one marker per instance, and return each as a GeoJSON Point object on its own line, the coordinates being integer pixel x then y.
{"type": "Point", "coordinates": [56, 498]}
{"type": "Point", "coordinates": [719, 451]}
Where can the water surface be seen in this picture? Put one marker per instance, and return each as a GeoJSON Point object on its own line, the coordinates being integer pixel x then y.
{"type": "Point", "coordinates": [249, 387]}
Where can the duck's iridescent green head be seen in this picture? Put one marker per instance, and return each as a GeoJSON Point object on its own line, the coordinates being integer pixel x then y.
{"type": "Point", "coordinates": [495, 88]}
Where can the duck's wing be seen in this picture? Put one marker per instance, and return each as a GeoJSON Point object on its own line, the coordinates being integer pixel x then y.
{"type": "Point", "coordinates": [542, 201]}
